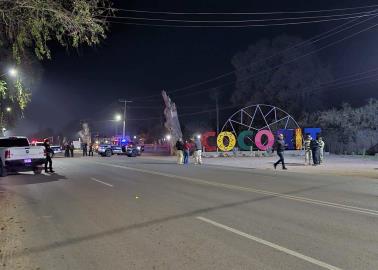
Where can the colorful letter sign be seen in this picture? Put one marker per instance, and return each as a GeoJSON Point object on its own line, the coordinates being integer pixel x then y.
{"type": "Point", "coordinates": [270, 139]}
{"type": "Point", "coordinates": [231, 141]}
{"type": "Point", "coordinates": [263, 140]}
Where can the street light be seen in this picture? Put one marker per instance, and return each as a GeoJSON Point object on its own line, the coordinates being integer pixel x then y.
{"type": "Point", "coordinates": [8, 109]}
{"type": "Point", "coordinates": [135, 137]}
{"type": "Point", "coordinates": [168, 137]}
{"type": "Point", "coordinates": [13, 72]}
{"type": "Point", "coordinates": [118, 117]}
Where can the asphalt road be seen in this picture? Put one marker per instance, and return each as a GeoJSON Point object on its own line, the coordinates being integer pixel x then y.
{"type": "Point", "coordinates": [139, 213]}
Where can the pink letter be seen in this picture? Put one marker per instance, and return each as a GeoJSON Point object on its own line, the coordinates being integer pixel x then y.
{"type": "Point", "coordinates": [268, 144]}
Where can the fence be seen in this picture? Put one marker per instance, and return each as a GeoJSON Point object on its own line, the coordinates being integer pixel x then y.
{"type": "Point", "coordinates": [161, 149]}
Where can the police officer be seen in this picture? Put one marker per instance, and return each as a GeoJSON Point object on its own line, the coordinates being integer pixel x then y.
{"type": "Point", "coordinates": [49, 153]}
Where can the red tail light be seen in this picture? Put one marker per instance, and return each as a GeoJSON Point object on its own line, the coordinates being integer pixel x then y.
{"type": "Point", "coordinates": [7, 154]}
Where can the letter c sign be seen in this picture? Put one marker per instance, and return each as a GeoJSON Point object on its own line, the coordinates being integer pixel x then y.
{"type": "Point", "coordinates": [231, 141]}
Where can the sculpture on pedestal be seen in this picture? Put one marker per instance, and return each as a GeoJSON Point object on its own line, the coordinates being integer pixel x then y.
{"type": "Point", "coordinates": [172, 123]}
{"type": "Point", "coordinates": [85, 134]}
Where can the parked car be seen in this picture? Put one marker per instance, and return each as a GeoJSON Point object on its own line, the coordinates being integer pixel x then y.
{"type": "Point", "coordinates": [56, 148]}
{"type": "Point", "coordinates": [107, 150]}
{"type": "Point", "coordinates": [132, 150]}
{"type": "Point", "coordinates": [17, 155]}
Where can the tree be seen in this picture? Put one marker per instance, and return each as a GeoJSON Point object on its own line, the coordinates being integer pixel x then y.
{"type": "Point", "coordinates": [349, 129]}
{"type": "Point", "coordinates": [264, 77]}
{"type": "Point", "coordinates": [31, 25]}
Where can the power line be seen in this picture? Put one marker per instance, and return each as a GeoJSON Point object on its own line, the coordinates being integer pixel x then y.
{"type": "Point", "coordinates": [245, 13]}
{"type": "Point", "coordinates": [312, 40]}
{"type": "Point", "coordinates": [238, 26]}
{"type": "Point", "coordinates": [361, 14]}
{"type": "Point", "coordinates": [287, 62]}
{"type": "Point", "coordinates": [337, 85]}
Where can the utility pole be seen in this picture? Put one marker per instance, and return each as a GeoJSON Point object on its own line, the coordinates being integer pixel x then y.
{"type": "Point", "coordinates": [124, 101]}
{"type": "Point", "coordinates": [217, 109]}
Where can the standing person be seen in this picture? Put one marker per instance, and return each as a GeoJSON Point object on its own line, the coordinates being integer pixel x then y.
{"type": "Point", "coordinates": [198, 151]}
{"type": "Point", "coordinates": [321, 148]}
{"type": "Point", "coordinates": [49, 152]}
{"type": "Point", "coordinates": [180, 151]}
{"type": "Point", "coordinates": [72, 148]}
{"type": "Point", "coordinates": [91, 149]}
{"type": "Point", "coordinates": [307, 148]}
{"type": "Point", "coordinates": [66, 149]}
{"type": "Point", "coordinates": [186, 152]}
{"type": "Point", "coordinates": [280, 146]}
{"type": "Point", "coordinates": [85, 149]}
{"type": "Point", "coordinates": [315, 148]}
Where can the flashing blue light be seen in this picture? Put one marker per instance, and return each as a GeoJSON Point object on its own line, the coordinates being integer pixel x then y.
{"type": "Point", "coordinates": [123, 140]}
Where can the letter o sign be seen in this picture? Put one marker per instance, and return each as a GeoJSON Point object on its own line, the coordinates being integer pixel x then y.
{"type": "Point", "coordinates": [269, 143]}
{"type": "Point", "coordinates": [231, 141]}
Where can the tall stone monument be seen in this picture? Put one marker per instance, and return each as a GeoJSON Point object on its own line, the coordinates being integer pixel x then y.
{"type": "Point", "coordinates": [85, 133]}
{"type": "Point", "coordinates": [172, 123]}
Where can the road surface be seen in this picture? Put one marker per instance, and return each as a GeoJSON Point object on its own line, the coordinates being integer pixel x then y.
{"type": "Point", "coordinates": [138, 213]}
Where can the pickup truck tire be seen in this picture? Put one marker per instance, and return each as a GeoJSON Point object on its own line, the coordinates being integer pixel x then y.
{"type": "Point", "coordinates": [37, 170]}
{"type": "Point", "coordinates": [3, 170]}
{"type": "Point", "coordinates": [108, 153]}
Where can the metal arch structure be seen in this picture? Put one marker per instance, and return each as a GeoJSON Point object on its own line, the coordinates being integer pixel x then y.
{"type": "Point", "coordinates": [259, 117]}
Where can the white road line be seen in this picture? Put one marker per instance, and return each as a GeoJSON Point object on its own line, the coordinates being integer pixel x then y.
{"type": "Point", "coordinates": [99, 181]}
{"type": "Point", "coordinates": [272, 245]}
{"type": "Point", "coordinates": [252, 190]}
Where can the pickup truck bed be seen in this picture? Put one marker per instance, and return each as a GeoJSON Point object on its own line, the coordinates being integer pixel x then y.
{"type": "Point", "coordinates": [18, 156]}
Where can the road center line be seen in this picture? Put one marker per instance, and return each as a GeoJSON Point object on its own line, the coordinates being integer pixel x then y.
{"type": "Point", "coordinates": [270, 244]}
{"type": "Point", "coordinates": [252, 190]}
{"type": "Point", "coordinates": [99, 181]}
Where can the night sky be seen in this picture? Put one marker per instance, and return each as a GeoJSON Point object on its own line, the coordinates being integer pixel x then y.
{"type": "Point", "coordinates": [137, 61]}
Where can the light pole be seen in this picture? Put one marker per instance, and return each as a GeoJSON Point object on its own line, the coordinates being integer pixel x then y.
{"type": "Point", "coordinates": [117, 118]}
{"type": "Point", "coordinates": [124, 116]}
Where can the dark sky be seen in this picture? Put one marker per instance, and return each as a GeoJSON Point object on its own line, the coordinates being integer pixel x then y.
{"type": "Point", "coordinates": [136, 61]}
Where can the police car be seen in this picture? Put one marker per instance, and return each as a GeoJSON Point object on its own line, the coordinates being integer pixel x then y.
{"type": "Point", "coordinates": [107, 150]}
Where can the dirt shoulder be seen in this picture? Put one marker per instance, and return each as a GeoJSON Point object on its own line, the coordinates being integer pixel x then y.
{"type": "Point", "coordinates": [12, 234]}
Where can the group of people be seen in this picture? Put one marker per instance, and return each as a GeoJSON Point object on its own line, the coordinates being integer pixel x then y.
{"type": "Point", "coordinates": [314, 150]}
{"type": "Point", "coordinates": [85, 149]}
{"type": "Point", "coordinates": [183, 150]}
{"type": "Point", "coordinates": [69, 149]}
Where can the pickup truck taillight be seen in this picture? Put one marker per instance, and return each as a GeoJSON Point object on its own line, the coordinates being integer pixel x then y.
{"type": "Point", "coordinates": [7, 154]}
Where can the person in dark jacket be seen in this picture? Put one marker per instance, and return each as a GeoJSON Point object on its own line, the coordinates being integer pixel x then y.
{"type": "Point", "coordinates": [49, 153]}
{"type": "Point", "coordinates": [91, 149]}
{"type": "Point", "coordinates": [179, 151]}
{"type": "Point", "coordinates": [280, 147]}
{"type": "Point", "coordinates": [67, 150]}
{"type": "Point", "coordinates": [85, 149]}
{"type": "Point", "coordinates": [315, 149]}
{"type": "Point", "coordinates": [72, 148]}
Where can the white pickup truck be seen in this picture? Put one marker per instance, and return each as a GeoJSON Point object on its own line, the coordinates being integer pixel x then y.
{"type": "Point", "coordinates": [17, 155]}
